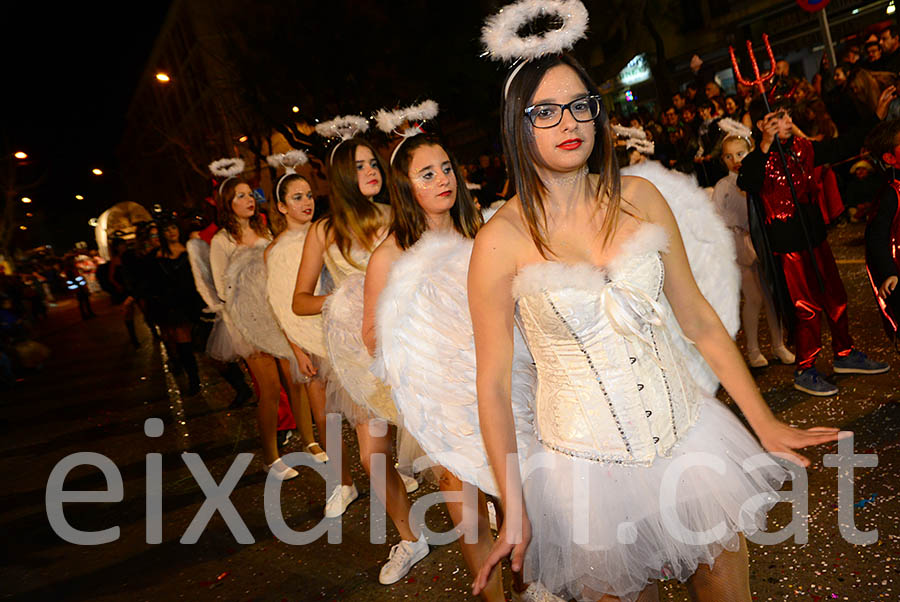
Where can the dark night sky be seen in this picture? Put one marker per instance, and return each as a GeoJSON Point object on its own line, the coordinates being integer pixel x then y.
{"type": "Point", "coordinates": [70, 71]}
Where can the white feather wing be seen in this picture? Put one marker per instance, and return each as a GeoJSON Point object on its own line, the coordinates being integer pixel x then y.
{"type": "Point", "coordinates": [247, 305]}
{"type": "Point", "coordinates": [426, 353]}
{"type": "Point", "coordinates": [350, 361]}
{"type": "Point", "coordinates": [710, 250]}
{"type": "Point", "coordinates": [198, 254]}
{"type": "Point", "coordinates": [283, 262]}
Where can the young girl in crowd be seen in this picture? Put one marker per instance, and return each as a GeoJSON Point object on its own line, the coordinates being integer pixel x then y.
{"type": "Point", "coordinates": [243, 229]}
{"type": "Point", "coordinates": [291, 215]}
{"type": "Point", "coordinates": [731, 203]}
{"type": "Point", "coordinates": [343, 242]}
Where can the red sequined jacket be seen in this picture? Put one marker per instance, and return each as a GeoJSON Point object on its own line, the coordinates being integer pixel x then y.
{"type": "Point", "coordinates": [763, 176]}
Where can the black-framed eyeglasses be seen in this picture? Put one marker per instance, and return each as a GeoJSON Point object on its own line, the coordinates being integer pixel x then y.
{"type": "Point", "coordinates": [549, 114]}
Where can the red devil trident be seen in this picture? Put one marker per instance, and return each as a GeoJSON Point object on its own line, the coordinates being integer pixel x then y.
{"type": "Point", "coordinates": [759, 82]}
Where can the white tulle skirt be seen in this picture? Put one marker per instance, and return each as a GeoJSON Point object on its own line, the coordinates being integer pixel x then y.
{"type": "Point", "coordinates": [600, 528]}
{"type": "Point", "coordinates": [225, 342]}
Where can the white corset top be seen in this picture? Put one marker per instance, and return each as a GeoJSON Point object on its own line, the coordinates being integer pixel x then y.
{"type": "Point", "coordinates": [611, 385]}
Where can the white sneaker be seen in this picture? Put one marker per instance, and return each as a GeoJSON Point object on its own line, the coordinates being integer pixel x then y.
{"type": "Point", "coordinates": [409, 482]}
{"type": "Point", "coordinates": [535, 593]}
{"type": "Point", "coordinates": [402, 558]}
{"type": "Point", "coordinates": [757, 359]}
{"type": "Point", "coordinates": [339, 499]}
{"type": "Point", "coordinates": [282, 471]}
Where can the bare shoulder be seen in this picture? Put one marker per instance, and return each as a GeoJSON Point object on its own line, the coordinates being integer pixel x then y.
{"type": "Point", "coordinates": [386, 253]}
{"type": "Point", "coordinates": [320, 231]}
{"type": "Point", "coordinates": [643, 197]}
{"type": "Point", "coordinates": [502, 237]}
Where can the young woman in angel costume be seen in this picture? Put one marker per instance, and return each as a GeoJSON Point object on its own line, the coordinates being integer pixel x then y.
{"type": "Point", "coordinates": [343, 242]}
{"type": "Point", "coordinates": [249, 329]}
{"type": "Point", "coordinates": [593, 266]}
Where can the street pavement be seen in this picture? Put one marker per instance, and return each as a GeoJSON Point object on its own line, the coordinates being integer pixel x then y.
{"type": "Point", "coordinates": [95, 393]}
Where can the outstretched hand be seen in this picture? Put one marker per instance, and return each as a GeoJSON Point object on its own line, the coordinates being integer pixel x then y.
{"type": "Point", "coordinates": [884, 102]}
{"type": "Point", "coordinates": [503, 548]}
{"type": "Point", "coordinates": [780, 439]}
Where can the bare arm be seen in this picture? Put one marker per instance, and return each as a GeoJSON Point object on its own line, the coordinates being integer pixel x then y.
{"type": "Point", "coordinates": [305, 301]}
{"type": "Point", "coordinates": [491, 272]}
{"type": "Point", "coordinates": [701, 325]}
{"type": "Point", "coordinates": [376, 278]}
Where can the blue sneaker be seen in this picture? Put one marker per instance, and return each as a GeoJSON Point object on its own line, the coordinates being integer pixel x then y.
{"type": "Point", "coordinates": [856, 362]}
{"type": "Point", "coordinates": [811, 382]}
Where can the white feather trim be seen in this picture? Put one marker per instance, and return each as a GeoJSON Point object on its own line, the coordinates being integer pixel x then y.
{"type": "Point", "coordinates": [389, 121]}
{"type": "Point", "coordinates": [344, 127]}
{"type": "Point", "coordinates": [227, 168]}
{"type": "Point", "coordinates": [503, 43]}
{"type": "Point", "coordinates": [734, 128]}
{"type": "Point", "coordinates": [635, 138]}
{"type": "Point", "coordinates": [289, 160]}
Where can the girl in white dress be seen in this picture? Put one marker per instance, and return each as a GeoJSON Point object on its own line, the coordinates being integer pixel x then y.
{"type": "Point", "coordinates": [295, 205]}
{"type": "Point", "coordinates": [586, 259]}
{"type": "Point", "coordinates": [343, 242]}
{"type": "Point", "coordinates": [427, 196]}
{"type": "Point", "coordinates": [242, 230]}
{"type": "Point", "coordinates": [731, 203]}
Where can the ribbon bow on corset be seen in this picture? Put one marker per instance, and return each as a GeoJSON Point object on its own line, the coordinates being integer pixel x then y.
{"type": "Point", "coordinates": [630, 310]}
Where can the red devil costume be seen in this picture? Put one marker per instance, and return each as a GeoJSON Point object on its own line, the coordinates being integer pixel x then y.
{"type": "Point", "coordinates": [787, 252]}
{"type": "Point", "coordinates": [883, 254]}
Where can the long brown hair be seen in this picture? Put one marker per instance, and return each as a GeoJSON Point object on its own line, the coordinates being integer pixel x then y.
{"type": "Point", "coordinates": [228, 220]}
{"type": "Point", "coordinates": [408, 222]}
{"type": "Point", "coordinates": [521, 154]}
{"type": "Point", "coordinates": [866, 86]}
{"type": "Point", "coordinates": [277, 220]}
{"type": "Point", "coordinates": [353, 217]}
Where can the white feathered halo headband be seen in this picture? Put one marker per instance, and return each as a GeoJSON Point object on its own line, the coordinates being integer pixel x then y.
{"type": "Point", "coordinates": [227, 168]}
{"type": "Point", "coordinates": [736, 129]}
{"type": "Point", "coordinates": [635, 138]}
{"type": "Point", "coordinates": [406, 122]}
{"type": "Point", "coordinates": [289, 160]}
{"type": "Point", "coordinates": [343, 127]}
{"type": "Point", "coordinates": [502, 42]}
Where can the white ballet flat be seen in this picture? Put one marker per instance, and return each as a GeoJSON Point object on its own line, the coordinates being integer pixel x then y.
{"type": "Point", "coordinates": [320, 457]}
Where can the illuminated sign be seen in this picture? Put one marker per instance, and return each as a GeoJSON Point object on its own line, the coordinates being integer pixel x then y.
{"type": "Point", "coordinates": [636, 71]}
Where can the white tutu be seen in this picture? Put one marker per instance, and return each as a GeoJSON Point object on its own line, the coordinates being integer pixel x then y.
{"type": "Point", "coordinates": [349, 359]}
{"type": "Point", "coordinates": [225, 342]}
{"type": "Point", "coordinates": [247, 306]}
{"type": "Point", "coordinates": [601, 528]}
{"type": "Point", "coordinates": [426, 353]}
{"type": "Point", "coordinates": [282, 265]}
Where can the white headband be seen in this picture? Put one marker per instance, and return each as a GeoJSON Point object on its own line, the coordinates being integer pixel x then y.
{"type": "Point", "coordinates": [227, 168]}
{"type": "Point", "coordinates": [502, 41]}
{"type": "Point", "coordinates": [415, 115]}
{"type": "Point", "coordinates": [289, 160]}
{"type": "Point", "coordinates": [344, 127]}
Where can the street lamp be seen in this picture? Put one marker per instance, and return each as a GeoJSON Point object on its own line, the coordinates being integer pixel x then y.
{"type": "Point", "coordinates": [21, 155]}
{"type": "Point", "coordinates": [163, 77]}
{"type": "Point", "coordinates": [295, 109]}
{"type": "Point", "coordinates": [26, 200]}
{"type": "Point", "coordinates": [23, 227]}
{"type": "Point", "coordinates": [97, 171]}
{"type": "Point", "coordinates": [78, 197]}
{"type": "Point", "coordinates": [242, 139]}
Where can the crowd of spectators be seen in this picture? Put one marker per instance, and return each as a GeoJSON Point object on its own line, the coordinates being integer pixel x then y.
{"type": "Point", "coordinates": [687, 137]}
